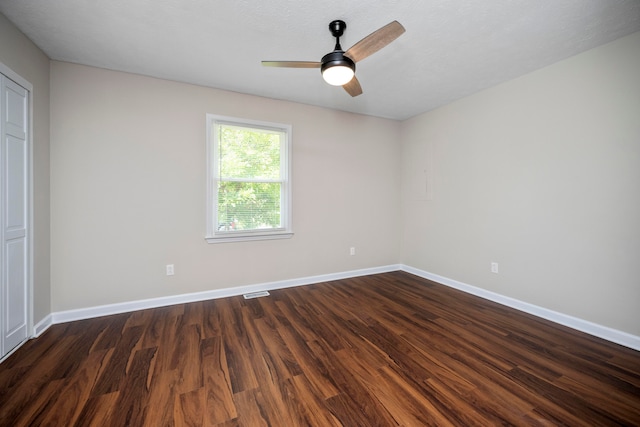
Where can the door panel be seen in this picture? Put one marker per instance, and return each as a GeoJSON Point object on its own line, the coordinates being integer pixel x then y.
{"type": "Point", "coordinates": [16, 316]}
{"type": "Point", "coordinates": [15, 185]}
{"type": "Point", "coordinates": [15, 111]}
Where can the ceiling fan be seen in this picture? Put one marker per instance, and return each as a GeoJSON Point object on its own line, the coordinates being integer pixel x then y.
{"type": "Point", "coordinates": [338, 67]}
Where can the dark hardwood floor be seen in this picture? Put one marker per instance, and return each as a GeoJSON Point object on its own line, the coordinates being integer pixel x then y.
{"type": "Point", "coordinates": [384, 350]}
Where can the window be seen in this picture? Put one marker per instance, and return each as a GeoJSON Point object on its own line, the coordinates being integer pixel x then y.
{"type": "Point", "coordinates": [248, 180]}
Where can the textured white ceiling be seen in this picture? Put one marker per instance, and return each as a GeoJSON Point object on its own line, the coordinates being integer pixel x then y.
{"type": "Point", "coordinates": [451, 48]}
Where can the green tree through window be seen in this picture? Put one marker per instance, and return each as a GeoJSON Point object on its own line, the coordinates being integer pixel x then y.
{"type": "Point", "coordinates": [249, 162]}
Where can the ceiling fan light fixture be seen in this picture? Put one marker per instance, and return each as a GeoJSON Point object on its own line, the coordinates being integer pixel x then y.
{"type": "Point", "coordinates": [338, 75]}
{"type": "Point", "coordinates": [337, 69]}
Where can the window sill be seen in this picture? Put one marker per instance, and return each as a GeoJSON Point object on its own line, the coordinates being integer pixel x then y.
{"type": "Point", "coordinates": [244, 237]}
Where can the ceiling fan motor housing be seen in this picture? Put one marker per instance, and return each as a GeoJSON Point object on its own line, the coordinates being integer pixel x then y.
{"type": "Point", "coordinates": [336, 58]}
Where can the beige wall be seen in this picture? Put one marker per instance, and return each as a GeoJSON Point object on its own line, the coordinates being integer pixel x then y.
{"type": "Point", "coordinates": [542, 175]}
{"type": "Point", "coordinates": [19, 54]}
{"type": "Point", "coordinates": [128, 190]}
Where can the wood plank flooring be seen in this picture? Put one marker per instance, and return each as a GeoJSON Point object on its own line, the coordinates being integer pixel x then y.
{"type": "Point", "coordinates": [384, 350]}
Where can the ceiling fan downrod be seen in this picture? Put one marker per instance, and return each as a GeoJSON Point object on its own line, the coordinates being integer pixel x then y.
{"type": "Point", "coordinates": [337, 28]}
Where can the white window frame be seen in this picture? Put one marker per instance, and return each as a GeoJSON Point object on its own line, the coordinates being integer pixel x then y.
{"type": "Point", "coordinates": [214, 235]}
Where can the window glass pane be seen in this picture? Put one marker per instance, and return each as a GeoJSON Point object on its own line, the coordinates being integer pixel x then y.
{"type": "Point", "coordinates": [246, 153]}
{"type": "Point", "coordinates": [248, 205]}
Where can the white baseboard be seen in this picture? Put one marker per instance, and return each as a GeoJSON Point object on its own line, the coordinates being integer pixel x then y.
{"type": "Point", "coordinates": [124, 307]}
{"type": "Point", "coordinates": [43, 325]}
{"type": "Point", "coordinates": [604, 332]}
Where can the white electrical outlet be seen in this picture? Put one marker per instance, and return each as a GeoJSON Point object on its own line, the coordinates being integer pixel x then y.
{"type": "Point", "coordinates": [352, 251]}
{"type": "Point", "coordinates": [170, 270]}
{"type": "Point", "coordinates": [494, 267]}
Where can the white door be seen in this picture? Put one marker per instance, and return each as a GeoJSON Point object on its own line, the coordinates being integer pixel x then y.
{"type": "Point", "coordinates": [14, 215]}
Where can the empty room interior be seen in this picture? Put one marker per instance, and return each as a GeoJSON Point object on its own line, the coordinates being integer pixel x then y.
{"type": "Point", "coordinates": [200, 228]}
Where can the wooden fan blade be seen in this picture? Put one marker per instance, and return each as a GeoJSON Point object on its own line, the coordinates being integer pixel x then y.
{"type": "Point", "coordinates": [292, 64]}
{"type": "Point", "coordinates": [353, 88]}
{"type": "Point", "coordinates": [375, 41]}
